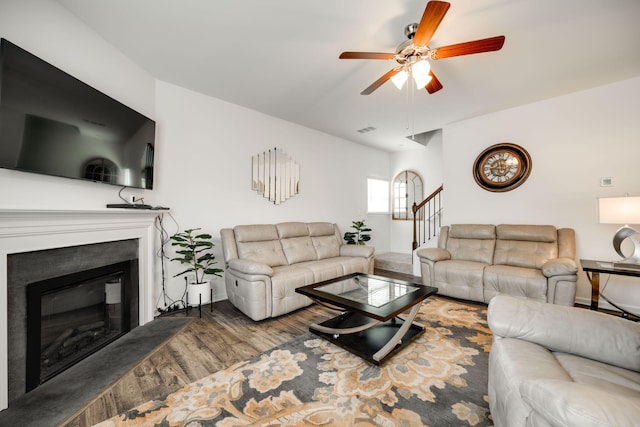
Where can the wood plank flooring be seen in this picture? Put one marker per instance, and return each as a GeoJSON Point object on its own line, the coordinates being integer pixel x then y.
{"type": "Point", "coordinates": [219, 339]}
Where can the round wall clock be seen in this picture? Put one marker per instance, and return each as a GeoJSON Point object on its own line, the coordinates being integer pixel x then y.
{"type": "Point", "coordinates": [502, 167]}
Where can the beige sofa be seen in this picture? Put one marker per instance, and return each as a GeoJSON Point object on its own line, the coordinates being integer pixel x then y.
{"type": "Point", "coordinates": [551, 365]}
{"type": "Point", "coordinates": [479, 261]}
{"type": "Point", "coordinates": [266, 263]}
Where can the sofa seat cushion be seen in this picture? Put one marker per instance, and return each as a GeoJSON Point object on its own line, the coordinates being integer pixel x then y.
{"type": "Point", "coordinates": [515, 281]}
{"type": "Point", "coordinates": [601, 375]}
{"type": "Point", "coordinates": [570, 404]}
{"type": "Point", "coordinates": [460, 279]}
{"type": "Point", "coordinates": [331, 268]}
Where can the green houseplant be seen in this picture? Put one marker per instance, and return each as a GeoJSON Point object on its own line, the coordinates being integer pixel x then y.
{"type": "Point", "coordinates": [358, 237]}
{"type": "Point", "coordinates": [195, 252]}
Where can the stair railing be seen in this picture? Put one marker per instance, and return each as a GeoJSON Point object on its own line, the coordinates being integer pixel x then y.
{"type": "Point", "coordinates": [427, 218]}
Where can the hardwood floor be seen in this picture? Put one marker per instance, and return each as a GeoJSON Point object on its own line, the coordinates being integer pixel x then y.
{"type": "Point", "coordinates": [221, 338]}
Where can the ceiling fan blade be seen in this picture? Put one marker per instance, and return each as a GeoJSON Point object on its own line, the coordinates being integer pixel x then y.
{"type": "Point", "coordinates": [468, 48]}
{"type": "Point", "coordinates": [431, 18]}
{"type": "Point", "coordinates": [434, 84]}
{"type": "Point", "coordinates": [366, 55]}
{"type": "Point", "coordinates": [382, 80]}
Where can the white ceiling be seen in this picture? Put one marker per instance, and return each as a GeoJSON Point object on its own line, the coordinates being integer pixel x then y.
{"type": "Point", "coordinates": [280, 57]}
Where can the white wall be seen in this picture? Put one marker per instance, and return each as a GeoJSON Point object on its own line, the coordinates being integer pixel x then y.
{"type": "Point", "coordinates": [573, 140]}
{"type": "Point", "coordinates": [50, 32]}
{"type": "Point", "coordinates": [204, 149]}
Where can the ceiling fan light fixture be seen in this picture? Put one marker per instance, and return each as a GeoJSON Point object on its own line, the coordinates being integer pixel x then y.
{"type": "Point", "coordinates": [420, 72]}
{"type": "Point", "coordinates": [399, 79]}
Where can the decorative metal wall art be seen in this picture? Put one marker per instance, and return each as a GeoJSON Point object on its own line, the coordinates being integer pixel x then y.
{"type": "Point", "coordinates": [276, 176]}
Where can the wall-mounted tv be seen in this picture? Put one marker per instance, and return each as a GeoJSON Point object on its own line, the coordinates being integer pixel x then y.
{"type": "Point", "coordinates": [52, 123]}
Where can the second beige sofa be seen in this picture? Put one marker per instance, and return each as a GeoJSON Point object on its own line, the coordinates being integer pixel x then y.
{"type": "Point", "coordinates": [479, 261]}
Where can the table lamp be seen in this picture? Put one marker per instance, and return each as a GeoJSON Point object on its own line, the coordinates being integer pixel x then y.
{"type": "Point", "coordinates": [622, 210]}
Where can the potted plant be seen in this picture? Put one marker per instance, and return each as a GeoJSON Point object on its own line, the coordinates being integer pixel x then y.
{"type": "Point", "coordinates": [357, 237]}
{"type": "Point", "coordinates": [195, 252]}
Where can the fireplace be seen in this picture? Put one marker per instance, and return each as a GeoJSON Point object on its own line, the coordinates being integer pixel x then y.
{"type": "Point", "coordinates": [24, 233]}
{"type": "Point", "coordinates": [72, 316]}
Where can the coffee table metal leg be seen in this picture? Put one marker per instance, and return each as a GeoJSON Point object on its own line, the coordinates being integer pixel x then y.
{"type": "Point", "coordinates": [397, 338]}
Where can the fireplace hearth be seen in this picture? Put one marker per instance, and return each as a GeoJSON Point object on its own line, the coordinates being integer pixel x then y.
{"type": "Point", "coordinates": [72, 316]}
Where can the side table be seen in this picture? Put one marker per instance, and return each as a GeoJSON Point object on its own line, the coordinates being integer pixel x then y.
{"type": "Point", "coordinates": [594, 268]}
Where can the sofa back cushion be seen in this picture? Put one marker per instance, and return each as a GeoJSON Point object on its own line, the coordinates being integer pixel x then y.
{"type": "Point", "coordinates": [259, 243]}
{"type": "Point", "coordinates": [527, 246]}
{"type": "Point", "coordinates": [471, 242]}
{"type": "Point", "coordinates": [325, 238]}
{"type": "Point", "coordinates": [296, 242]}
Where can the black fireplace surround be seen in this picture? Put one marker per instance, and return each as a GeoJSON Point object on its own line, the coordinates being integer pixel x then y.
{"type": "Point", "coordinates": [82, 274]}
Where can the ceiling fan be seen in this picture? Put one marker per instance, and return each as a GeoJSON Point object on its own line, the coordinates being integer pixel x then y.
{"type": "Point", "coordinates": [413, 54]}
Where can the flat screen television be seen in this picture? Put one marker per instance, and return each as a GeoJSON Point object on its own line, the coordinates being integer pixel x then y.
{"type": "Point", "coordinates": [52, 123]}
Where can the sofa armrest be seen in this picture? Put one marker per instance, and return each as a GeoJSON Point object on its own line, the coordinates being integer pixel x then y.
{"type": "Point", "coordinates": [433, 254]}
{"type": "Point", "coordinates": [357, 250]}
{"type": "Point", "coordinates": [572, 404]}
{"type": "Point", "coordinates": [250, 267]}
{"type": "Point", "coordinates": [572, 330]}
{"type": "Point", "coordinates": [559, 267]}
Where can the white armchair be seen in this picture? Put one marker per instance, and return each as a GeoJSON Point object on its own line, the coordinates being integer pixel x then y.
{"type": "Point", "coordinates": [553, 365]}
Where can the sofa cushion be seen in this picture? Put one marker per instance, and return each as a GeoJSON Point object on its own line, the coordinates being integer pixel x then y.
{"type": "Point", "coordinates": [326, 246]}
{"type": "Point", "coordinates": [473, 231]}
{"type": "Point", "coordinates": [566, 403]}
{"type": "Point", "coordinates": [268, 252]}
{"type": "Point", "coordinates": [296, 243]}
{"type": "Point", "coordinates": [324, 238]}
{"type": "Point", "coordinates": [516, 281]}
{"type": "Point", "coordinates": [292, 229]}
{"type": "Point", "coordinates": [459, 279]}
{"type": "Point", "coordinates": [525, 245]}
{"type": "Point", "coordinates": [600, 375]}
{"type": "Point", "coordinates": [524, 253]}
{"type": "Point", "coordinates": [323, 269]}
{"type": "Point", "coordinates": [255, 233]}
{"type": "Point", "coordinates": [528, 233]}
{"type": "Point", "coordinates": [298, 249]}
{"type": "Point", "coordinates": [471, 242]}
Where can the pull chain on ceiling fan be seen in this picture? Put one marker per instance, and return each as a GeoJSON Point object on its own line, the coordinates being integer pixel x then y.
{"type": "Point", "coordinates": [414, 54]}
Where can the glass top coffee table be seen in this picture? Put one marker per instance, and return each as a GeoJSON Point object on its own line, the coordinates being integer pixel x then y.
{"type": "Point", "coordinates": [371, 323]}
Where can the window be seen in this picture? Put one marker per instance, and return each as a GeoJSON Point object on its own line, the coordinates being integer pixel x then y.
{"type": "Point", "coordinates": [378, 196]}
{"type": "Point", "coordinates": [407, 190]}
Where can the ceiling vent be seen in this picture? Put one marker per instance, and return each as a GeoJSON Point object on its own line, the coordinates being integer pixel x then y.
{"type": "Point", "coordinates": [367, 129]}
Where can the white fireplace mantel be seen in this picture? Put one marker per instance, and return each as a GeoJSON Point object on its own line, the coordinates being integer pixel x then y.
{"type": "Point", "coordinates": [33, 230]}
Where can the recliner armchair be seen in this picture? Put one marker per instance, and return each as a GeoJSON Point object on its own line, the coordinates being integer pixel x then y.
{"type": "Point", "coordinates": [552, 365]}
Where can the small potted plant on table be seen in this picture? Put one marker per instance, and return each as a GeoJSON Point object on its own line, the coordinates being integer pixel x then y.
{"type": "Point", "coordinates": [195, 252]}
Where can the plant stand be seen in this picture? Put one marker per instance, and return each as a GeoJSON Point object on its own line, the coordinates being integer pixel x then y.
{"type": "Point", "coordinates": [200, 303]}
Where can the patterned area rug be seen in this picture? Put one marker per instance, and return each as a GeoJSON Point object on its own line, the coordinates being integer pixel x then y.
{"type": "Point", "coordinates": [440, 379]}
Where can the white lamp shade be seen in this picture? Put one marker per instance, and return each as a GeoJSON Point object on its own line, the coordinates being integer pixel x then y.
{"type": "Point", "coordinates": [399, 79]}
{"type": "Point", "coordinates": [420, 71]}
{"type": "Point", "coordinates": [619, 210]}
